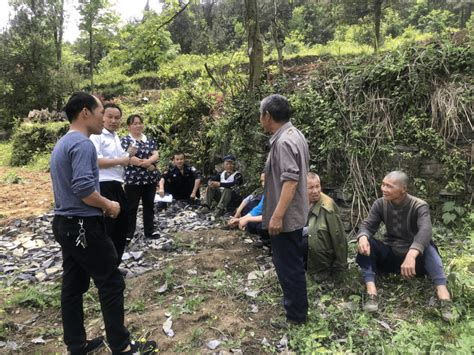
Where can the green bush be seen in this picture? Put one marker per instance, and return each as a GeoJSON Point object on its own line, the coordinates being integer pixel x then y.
{"type": "Point", "coordinates": [29, 139]}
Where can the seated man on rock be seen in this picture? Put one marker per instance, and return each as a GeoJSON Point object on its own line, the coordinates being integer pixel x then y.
{"type": "Point", "coordinates": [223, 189]}
{"type": "Point", "coordinates": [327, 242]}
{"type": "Point", "coordinates": [180, 180]}
{"type": "Point", "coordinates": [407, 247]}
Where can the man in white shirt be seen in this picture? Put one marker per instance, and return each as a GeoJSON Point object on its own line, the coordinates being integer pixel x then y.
{"type": "Point", "coordinates": [111, 159]}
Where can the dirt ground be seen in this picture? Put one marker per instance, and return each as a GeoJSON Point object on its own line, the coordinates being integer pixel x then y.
{"type": "Point", "coordinates": [207, 278]}
{"type": "Point", "coordinates": [206, 298]}
{"type": "Point", "coordinates": [31, 197]}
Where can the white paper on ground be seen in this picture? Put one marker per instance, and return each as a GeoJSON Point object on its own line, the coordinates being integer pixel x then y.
{"type": "Point", "coordinates": [165, 198]}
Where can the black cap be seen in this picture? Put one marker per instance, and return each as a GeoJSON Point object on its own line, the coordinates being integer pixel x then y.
{"type": "Point", "coordinates": [229, 157]}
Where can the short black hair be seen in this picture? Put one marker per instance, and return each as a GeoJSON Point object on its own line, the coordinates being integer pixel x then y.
{"type": "Point", "coordinates": [179, 152]}
{"type": "Point", "coordinates": [131, 118]}
{"type": "Point", "coordinates": [112, 105]}
{"type": "Point", "coordinates": [277, 106]}
{"type": "Point", "coordinates": [77, 102]}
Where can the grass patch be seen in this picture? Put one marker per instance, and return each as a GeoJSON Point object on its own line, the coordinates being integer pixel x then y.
{"type": "Point", "coordinates": [40, 296]}
{"type": "Point", "coordinates": [5, 153]}
{"type": "Point", "coordinates": [11, 177]}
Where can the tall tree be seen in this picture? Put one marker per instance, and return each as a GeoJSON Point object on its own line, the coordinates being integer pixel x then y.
{"type": "Point", "coordinates": [96, 21]}
{"type": "Point", "coordinates": [28, 69]}
{"type": "Point", "coordinates": [255, 46]}
{"type": "Point", "coordinates": [57, 24]}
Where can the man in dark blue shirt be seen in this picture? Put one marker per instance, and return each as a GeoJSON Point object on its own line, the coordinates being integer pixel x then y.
{"type": "Point", "coordinates": [78, 226]}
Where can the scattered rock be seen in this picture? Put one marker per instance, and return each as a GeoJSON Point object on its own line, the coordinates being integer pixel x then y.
{"type": "Point", "coordinates": [251, 293]}
{"type": "Point", "coordinates": [167, 327]}
{"type": "Point", "coordinates": [163, 288]}
{"type": "Point", "coordinates": [11, 345]}
{"type": "Point", "coordinates": [213, 344]}
{"type": "Point", "coordinates": [254, 275]}
{"type": "Point", "coordinates": [38, 340]}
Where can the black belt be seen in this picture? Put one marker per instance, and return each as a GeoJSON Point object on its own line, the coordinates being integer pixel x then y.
{"type": "Point", "coordinates": [76, 218]}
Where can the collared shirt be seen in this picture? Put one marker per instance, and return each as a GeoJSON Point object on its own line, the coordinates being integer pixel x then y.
{"type": "Point", "coordinates": [288, 160]}
{"type": "Point", "coordinates": [136, 175]}
{"type": "Point", "coordinates": [178, 184]}
{"type": "Point", "coordinates": [108, 146]}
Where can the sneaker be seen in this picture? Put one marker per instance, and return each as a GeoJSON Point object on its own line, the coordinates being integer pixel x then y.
{"type": "Point", "coordinates": [258, 244]}
{"type": "Point", "coordinates": [371, 304]}
{"type": "Point", "coordinates": [91, 346]}
{"type": "Point", "coordinates": [447, 310]}
{"type": "Point", "coordinates": [141, 347]}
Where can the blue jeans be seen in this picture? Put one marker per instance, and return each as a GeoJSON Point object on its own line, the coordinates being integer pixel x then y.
{"type": "Point", "coordinates": [382, 259]}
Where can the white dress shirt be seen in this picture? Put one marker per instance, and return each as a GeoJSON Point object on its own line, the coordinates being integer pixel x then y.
{"type": "Point", "coordinates": [108, 146]}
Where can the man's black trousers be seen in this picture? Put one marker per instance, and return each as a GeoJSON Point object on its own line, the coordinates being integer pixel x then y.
{"type": "Point", "coordinates": [97, 261]}
{"type": "Point", "coordinates": [287, 255]}
{"type": "Point", "coordinates": [116, 228]}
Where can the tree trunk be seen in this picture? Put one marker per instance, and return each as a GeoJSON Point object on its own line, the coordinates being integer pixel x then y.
{"type": "Point", "coordinates": [377, 19]}
{"type": "Point", "coordinates": [91, 62]}
{"type": "Point", "coordinates": [278, 36]}
{"type": "Point", "coordinates": [58, 39]}
{"type": "Point", "coordinates": [255, 47]}
{"type": "Point", "coordinates": [466, 11]}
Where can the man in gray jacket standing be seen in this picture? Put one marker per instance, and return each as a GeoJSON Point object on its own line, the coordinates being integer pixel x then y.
{"type": "Point", "coordinates": [285, 207]}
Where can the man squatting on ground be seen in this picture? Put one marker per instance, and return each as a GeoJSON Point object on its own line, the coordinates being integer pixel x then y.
{"type": "Point", "coordinates": [111, 159]}
{"type": "Point", "coordinates": [223, 189]}
{"type": "Point", "coordinates": [407, 247]}
{"type": "Point", "coordinates": [286, 205]}
{"type": "Point", "coordinates": [79, 228]}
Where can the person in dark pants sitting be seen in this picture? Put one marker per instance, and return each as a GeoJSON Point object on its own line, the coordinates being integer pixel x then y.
{"type": "Point", "coordinates": [180, 180]}
{"type": "Point", "coordinates": [78, 226]}
{"type": "Point", "coordinates": [407, 247]}
{"type": "Point", "coordinates": [286, 206]}
{"type": "Point", "coordinates": [223, 189]}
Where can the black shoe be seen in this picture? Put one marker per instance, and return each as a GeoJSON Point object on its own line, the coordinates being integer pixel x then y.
{"type": "Point", "coordinates": [154, 235]}
{"type": "Point", "coordinates": [145, 348]}
{"type": "Point", "coordinates": [91, 346]}
{"type": "Point", "coordinates": [285, 323]}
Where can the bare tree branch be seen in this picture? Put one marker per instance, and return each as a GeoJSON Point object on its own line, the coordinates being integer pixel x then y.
{"type": "Point", "coordinates": [173, 17]}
